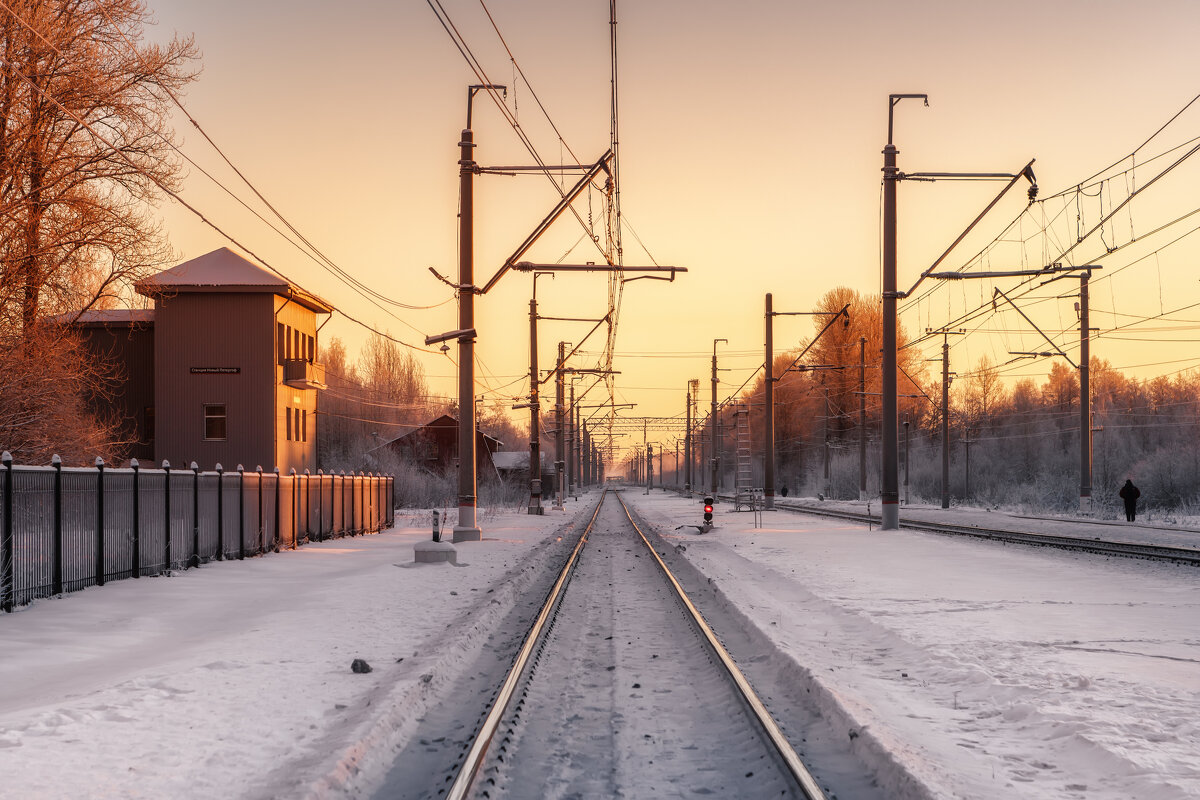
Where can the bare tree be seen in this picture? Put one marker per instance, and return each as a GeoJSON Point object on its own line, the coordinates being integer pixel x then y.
{"type": "Point", "coordinates": [84, 149]}
{"type": "Point", "coordinates": [84, 146]}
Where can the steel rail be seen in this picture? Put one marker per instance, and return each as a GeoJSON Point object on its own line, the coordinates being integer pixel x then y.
{"type": "Point", "coordinates": [1182, 555]}
{"type": "Point", "coordinates": [474, 757]}
{"type": "Point", "coordinates": [783, 748]}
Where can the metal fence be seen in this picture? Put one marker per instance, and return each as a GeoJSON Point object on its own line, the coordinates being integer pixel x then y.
{"type": "Point", "coordinates": [65, 528]}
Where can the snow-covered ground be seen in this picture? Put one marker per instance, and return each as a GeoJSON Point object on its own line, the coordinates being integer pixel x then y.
{"type": "Point", "coordinates": [989, 670]}
{"type": "Point", "coordinates": [985, 669]}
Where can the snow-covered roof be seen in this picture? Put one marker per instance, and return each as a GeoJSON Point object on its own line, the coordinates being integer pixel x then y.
{"type": "Point", "coordinates": [225, 271]}
{"type": "Point", "coordinates": [107, 316]}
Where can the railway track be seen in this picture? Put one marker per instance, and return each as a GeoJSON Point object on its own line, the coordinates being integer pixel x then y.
{"type": "Point", "coordinates": [1180, 555]}
{"type": "Point", "coordinates": [621, 688]}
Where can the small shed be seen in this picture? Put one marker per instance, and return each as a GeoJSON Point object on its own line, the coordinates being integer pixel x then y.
{"type": "Point", "coordinates": [434, 446]}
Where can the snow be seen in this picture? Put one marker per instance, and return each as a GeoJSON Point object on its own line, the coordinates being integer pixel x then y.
{"type": "Point", "coordinates": [974, 667]}
{"type": "Point", "coordinates": [983, 668]}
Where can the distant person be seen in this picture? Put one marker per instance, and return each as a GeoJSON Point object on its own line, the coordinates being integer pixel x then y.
{"type": "Point", "coordinates": [1130, 494]}
{"type": "Point", "coordinates": [783, 491]}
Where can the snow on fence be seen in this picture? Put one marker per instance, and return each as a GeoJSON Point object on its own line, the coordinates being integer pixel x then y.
{"type": "Point", "coordinates": [66, 528]}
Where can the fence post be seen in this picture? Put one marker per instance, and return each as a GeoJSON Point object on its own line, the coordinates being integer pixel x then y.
{"type": "Point", "coordinates": [275, 533]}
{"type": "Point", "coordinates": [57, 576]}
{"type": "Point", "coordinates": [241, 513]}
{"type": "Point", "coordinates": [7, 579]}
{"type": "Point", "coordinates": [167, 512]}
{"type": "Point", "coordinates": [320, 506]}
{"type": "Point", "coordinates": [262, 545]}
{"type": "Point", "coordinates": [99, 521]}
{"type": "Point", "coordinates": [307, 503]}
{"type": "Point", "coordinates": [137, 522]}
{"type": "Point", "coordinates": [358, 485]}
{"type": "Point", "coordinates": [295, 509]}
{"type": "Point", "coordinates": [195, 514]}
{"type": "Point", "coordinates": [344, 531]}
{"type": "Point", "coordinates": [220, 513]}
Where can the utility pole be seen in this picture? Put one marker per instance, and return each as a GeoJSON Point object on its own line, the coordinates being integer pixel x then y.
{"type": "Point", "coordinates": [713, 418]}
{"type": "Point", "coordinates": [890, 491]}
{"type": "Point", "coordinates": [1085, 400]}
{"type": "Point", "coordinates": [862, 418]}
{"type": "Point", "coordinates": [535, 410]}
{"type": "Point", "coordinates": [649, 468]}
{"type": "Point", "coordinates": [577, 441]}
{"type": "Point", "coordinates": [586, 453]}
{"type": "Point", "coordinates": [572, 478]}
{"type": "Point", "coordinates": [769, 413]}
{"type": "Point", "coordinates": [825, 389]}
{"type": "Point", "coordinates": [560, 433]}
{"type": "Point", "coordinates": [466, 529]}
{"type": "Point", "coordinates": [945, 420]}
{"type": "Point", "coordinates": [687, 444]}
{"type": "Point", "coordinates": [905, 462]}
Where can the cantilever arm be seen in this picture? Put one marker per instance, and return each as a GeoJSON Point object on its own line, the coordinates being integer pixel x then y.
{"type": "Point", "coordinates": [563, 205]}
{"type": "Point", "coordinates": [1026, 172]}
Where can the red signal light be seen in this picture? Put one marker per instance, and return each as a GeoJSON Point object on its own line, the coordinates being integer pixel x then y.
{"type": "Point", "coordinates": [708, 509]}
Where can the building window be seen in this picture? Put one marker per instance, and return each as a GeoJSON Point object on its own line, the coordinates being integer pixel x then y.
{"type": "Point", "coordinates": [214, 422]}
{"type": "Point", "coordinates": [281, 335]}
{"type": "Point", "coordinates": [311, 349]}
{"type": "Point", "coordinates": [288, 416]}
{"type": "Point", "coordinates": [296, 425]}
{"type": "Point", "coordinates": [299, 354]}
{"type": "Point", "coordinates": [304, 425]}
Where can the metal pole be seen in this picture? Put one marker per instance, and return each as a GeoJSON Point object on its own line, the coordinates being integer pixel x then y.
{"type": "Point", "coordinates": [1085, 401]}
{"type": "Point", "coordinates": [99, 521]}
{"type": "Point", "coordinates": [945, 422]}
{"type": "Point", "coordinates": [166, 465]}
{"type": "Point", "coordinates": [572, 475]}
{"type": "Point", "coordinates": [136, 570]}
{"type": "Point", "coordinates": [220, 513]}
{"type": "Point", "coordinates": [905, 462]}
{"type": "Point", "coordinates": [862, 418]}
{"type": "Point", "coordinates": [649, 468]}
{"type": "Point", "coordinates": [535, 410]}
{"type": "Point", "coordinates": [57, 586]}
{"type": "Point", "coordinates": [560, 434]}
{"type": "Point", "coordinates": [713, 420]}
{"type": "Point", "coordinates": [890, 519]}
{"type": "Point", "coordinates": [195, 514]}
{"type": "Point", "coordinates": [769, 413]}
{"type": "Point", "coordinates": [466, 530]}
{"type": "Point", "coordinates": [241, 512]}
{"type": "Point", "coordinates": [7, 589]}
{"type": "Point", "coordinates": [825, 389]}
{"type": "Point", "coordinates": [576, 443]}
{"type": "Point", "coordinates": [262, 545]}
{"type": "Point", "coordinates": [687, 445]}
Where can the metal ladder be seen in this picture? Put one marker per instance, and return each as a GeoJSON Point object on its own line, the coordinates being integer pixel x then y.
{"type": "Point", "coordinates": [743, 479]}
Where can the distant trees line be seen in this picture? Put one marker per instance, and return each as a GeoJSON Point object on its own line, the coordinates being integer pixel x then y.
{"type": "Point", "coordinates": [1012, 445]}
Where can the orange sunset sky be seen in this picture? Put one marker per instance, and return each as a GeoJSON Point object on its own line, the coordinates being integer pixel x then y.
{"type": "Point", "coordinates": [750, 154]}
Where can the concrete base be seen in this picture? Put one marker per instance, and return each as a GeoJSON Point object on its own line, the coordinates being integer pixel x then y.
{"type": "Point", "coordinates": [467, 535]}
{"type": "Point", "coordinates": [536, 510]}
{"type": "Point", "coordinates": [434, 553]}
